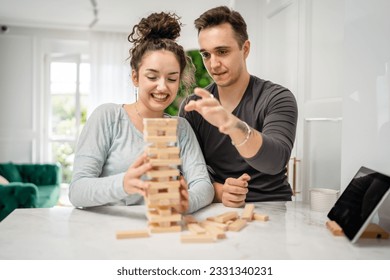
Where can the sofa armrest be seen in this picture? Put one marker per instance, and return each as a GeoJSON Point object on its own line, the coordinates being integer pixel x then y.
{"type": "Point", "coordinates": [17, 195]}
{"type": "Point", "coordinates": [41, 174]}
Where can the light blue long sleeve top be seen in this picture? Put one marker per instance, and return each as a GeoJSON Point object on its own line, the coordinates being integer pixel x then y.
{"type": "Point", "coordinates": [110, 143]}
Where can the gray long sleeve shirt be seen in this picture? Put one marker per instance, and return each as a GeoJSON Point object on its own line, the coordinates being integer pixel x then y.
{"type": "Point", "coordinates": [272, 110]}
{"type": "Point", "coordinates": [110, 143]}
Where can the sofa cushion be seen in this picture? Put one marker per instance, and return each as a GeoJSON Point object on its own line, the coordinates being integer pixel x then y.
{"type": "Point", "coordinates": [17, 195]}
{"type": "Point", "coordinates": [48, 196]}
{"type": "Point", "coordinates": [10, 172]}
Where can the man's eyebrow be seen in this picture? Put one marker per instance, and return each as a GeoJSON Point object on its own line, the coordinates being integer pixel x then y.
{"type": "Point", "coordinates": [215, 49]}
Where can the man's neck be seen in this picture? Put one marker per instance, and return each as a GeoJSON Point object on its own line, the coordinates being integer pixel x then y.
{"type": "Point", "coordinates": [230, 96]}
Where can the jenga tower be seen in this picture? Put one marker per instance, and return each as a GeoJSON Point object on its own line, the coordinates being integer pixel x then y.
{"type": "Point", "coordinates": [163, 193]}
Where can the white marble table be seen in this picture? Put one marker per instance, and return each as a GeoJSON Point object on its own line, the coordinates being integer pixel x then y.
{"type": "Point", "coordinates": [293, 232]}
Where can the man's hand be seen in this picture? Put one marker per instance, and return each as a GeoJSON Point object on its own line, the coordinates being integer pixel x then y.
{"type": "Point", "coordinates": [212, 111]}
{"type": "Point", "coordinates": [233, 192]}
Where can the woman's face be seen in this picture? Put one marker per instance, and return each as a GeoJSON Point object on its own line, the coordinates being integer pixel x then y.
{"type": "Point", "coordinates": [158, 80]}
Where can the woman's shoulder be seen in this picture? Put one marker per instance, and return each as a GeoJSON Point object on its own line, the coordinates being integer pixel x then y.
{"type": "Point", "coordinates": [108, 111]}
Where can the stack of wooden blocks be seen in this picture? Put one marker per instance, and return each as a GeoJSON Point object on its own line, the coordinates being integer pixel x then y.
{"type": "Point", "coordinates": [164, 191]}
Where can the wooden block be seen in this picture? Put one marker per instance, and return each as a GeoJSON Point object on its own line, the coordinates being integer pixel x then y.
{"type": "Point", "coordinates": [163, 185]}
{"type": "Point", "coordinates": [237, 225]}
{"type": "Point", "coordinates": [375, 231]}
{"type": "Point", "coordinates": [197, 238]}
{"type": "Point", "coordinates": [160, 122]}
{"type": "Point", "coordinates": [132, 234]}
{"type": "Point", "coordinates": [159, 219]}
{"type": "Point", "coordinates": [226, 217]}
{"type": "Point", "coordinates": [169, 150]}
{"type": "Point", "coordinates": [155, 228]}
{"type": "Point", "coordinates": [260, 217]}
{"type": "Point", "coordinates": [160, 139]}
{"type": "Point", "coordinates": [247, 214]}
{"type": "Point", "coordinates": [162, 173]}
{"type": "Point", "coordinates": [222, 226]}
{"type": "Point", "coordinates": [215, 231]}
{"type": "Point", "coordinates": [165, 162]}
{"type": "Point", "coordinates": [163, 130]}
{"type": "Point", "coordinates": [162, 202]}
{"type": "Point", "coordinates": [162, 196]}
{"type": "Point", "coordinates": [334, 228]}
{"type": "Point", "coordinates": [196, 228]}
{"type": "Point", "coordinates": [164, 211]}
{"type": "Point", "coordinates": [189, 219]}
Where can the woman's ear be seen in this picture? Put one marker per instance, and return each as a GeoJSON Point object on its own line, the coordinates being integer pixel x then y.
{"type": "Point", "coordinates": [134, 77]}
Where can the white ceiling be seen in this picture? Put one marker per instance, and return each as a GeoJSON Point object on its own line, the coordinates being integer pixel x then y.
{"type": "Point", "coordinates": [112, 15]}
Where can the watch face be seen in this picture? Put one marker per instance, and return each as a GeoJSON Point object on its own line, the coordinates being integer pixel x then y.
{"type": "Point", "coordinates": [357, 205]}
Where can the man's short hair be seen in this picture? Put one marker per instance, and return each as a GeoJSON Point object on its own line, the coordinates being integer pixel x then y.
{"type": "Point", "coordinates": [220, 15]}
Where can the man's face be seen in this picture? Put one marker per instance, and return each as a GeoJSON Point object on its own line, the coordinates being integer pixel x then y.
{"type": "Point", "coordinates": [222, 56]}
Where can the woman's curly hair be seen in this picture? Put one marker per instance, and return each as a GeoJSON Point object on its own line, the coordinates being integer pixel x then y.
{"type": "Point", "coordinates": [159, 31]}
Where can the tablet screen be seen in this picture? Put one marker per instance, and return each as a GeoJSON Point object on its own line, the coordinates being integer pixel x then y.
{"type": "Point", "coordinates": [358, 203]}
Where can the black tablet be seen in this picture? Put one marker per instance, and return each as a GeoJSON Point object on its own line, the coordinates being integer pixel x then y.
{"type": "Point", "coordinates": [359, 202]}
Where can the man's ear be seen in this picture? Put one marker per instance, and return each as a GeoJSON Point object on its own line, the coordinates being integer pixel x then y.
{"type": "Point", "coordinates": [134, 78]}
{"type": "Point", "coordinates": [246, 47]}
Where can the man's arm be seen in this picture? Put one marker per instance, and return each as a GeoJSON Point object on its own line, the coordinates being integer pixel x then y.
{"type": "Point", "coordinates": [268, 151]}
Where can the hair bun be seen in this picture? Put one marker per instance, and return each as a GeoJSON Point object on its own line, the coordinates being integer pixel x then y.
{"type": "Point", "coordinates": [159, 26]}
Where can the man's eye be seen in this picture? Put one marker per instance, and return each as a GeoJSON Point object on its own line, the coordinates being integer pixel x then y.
{"type": "Point", "coordinates": [205, 55]}
{"type": "Point", "coordinates": [222, 52]}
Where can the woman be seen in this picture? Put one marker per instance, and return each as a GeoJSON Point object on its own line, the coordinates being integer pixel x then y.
{"type": "Point", "coordinates": [109, 160]}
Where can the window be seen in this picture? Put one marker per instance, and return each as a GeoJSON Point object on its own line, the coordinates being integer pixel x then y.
{"type": "Point", "coordinates": [69, 87]}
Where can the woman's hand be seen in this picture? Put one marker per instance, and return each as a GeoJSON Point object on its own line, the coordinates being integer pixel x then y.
{"type": "Point", "coordinates": [132, 182]}
{"type": "Point", "coordinates": [184, 197]}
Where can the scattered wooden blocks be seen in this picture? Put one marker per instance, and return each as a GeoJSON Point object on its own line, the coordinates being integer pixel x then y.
{"type": "Point", "coordinates": [226, 217]}
{"type": "Point", "coordinates": [260, 217]}
{"type": "Point", "coordinates": [237, 225]}
{"type": "Point", "coordinates": [196, 228]}
{"type": "Point", "coordinates": [218, 233]}
{"type": "Point", "coordinates": [247, 214]}
{"type": "Point", "coordinates": [132, 234]}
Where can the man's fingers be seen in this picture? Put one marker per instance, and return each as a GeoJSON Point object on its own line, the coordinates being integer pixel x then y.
{"type": "Point", "coordinates": [203, 93]}
{"type": "Point", "coordinates": [236, 182]}
{"type": "Point", "coordinates": [234, 189]}
{"type": "Point", "coordinates": [244, 177]}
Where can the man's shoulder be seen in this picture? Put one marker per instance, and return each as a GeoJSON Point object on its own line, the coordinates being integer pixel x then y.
{"type": "Point", "coordinates": [267, 85]}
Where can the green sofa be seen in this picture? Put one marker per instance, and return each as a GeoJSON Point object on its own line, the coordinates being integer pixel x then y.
{"type": "Point", "coordinates": [31, 186]}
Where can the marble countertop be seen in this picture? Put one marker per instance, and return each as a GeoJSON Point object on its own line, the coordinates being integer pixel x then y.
{"type": "Point", "coordinates": [60, 233]}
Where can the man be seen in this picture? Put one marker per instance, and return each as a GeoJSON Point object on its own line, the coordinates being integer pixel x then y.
{"type": "Point", "coordinates": [245, 125]}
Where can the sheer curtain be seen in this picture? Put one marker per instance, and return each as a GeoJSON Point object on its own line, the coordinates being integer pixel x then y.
{"type": "Point", "coordinates": [110, 70]}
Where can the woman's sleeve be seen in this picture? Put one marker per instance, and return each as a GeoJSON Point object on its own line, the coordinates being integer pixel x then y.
{"type": "Point", "coordinates": [200, 189]}
{"type": "Point", "coordinates": [87, 187]}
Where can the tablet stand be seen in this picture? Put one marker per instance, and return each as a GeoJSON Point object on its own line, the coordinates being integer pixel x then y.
{"type": "Point", "coordinates": [372, 230]}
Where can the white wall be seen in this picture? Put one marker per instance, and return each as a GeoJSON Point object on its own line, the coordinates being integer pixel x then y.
{"type": "Point", "coordinates": [366, 106]}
